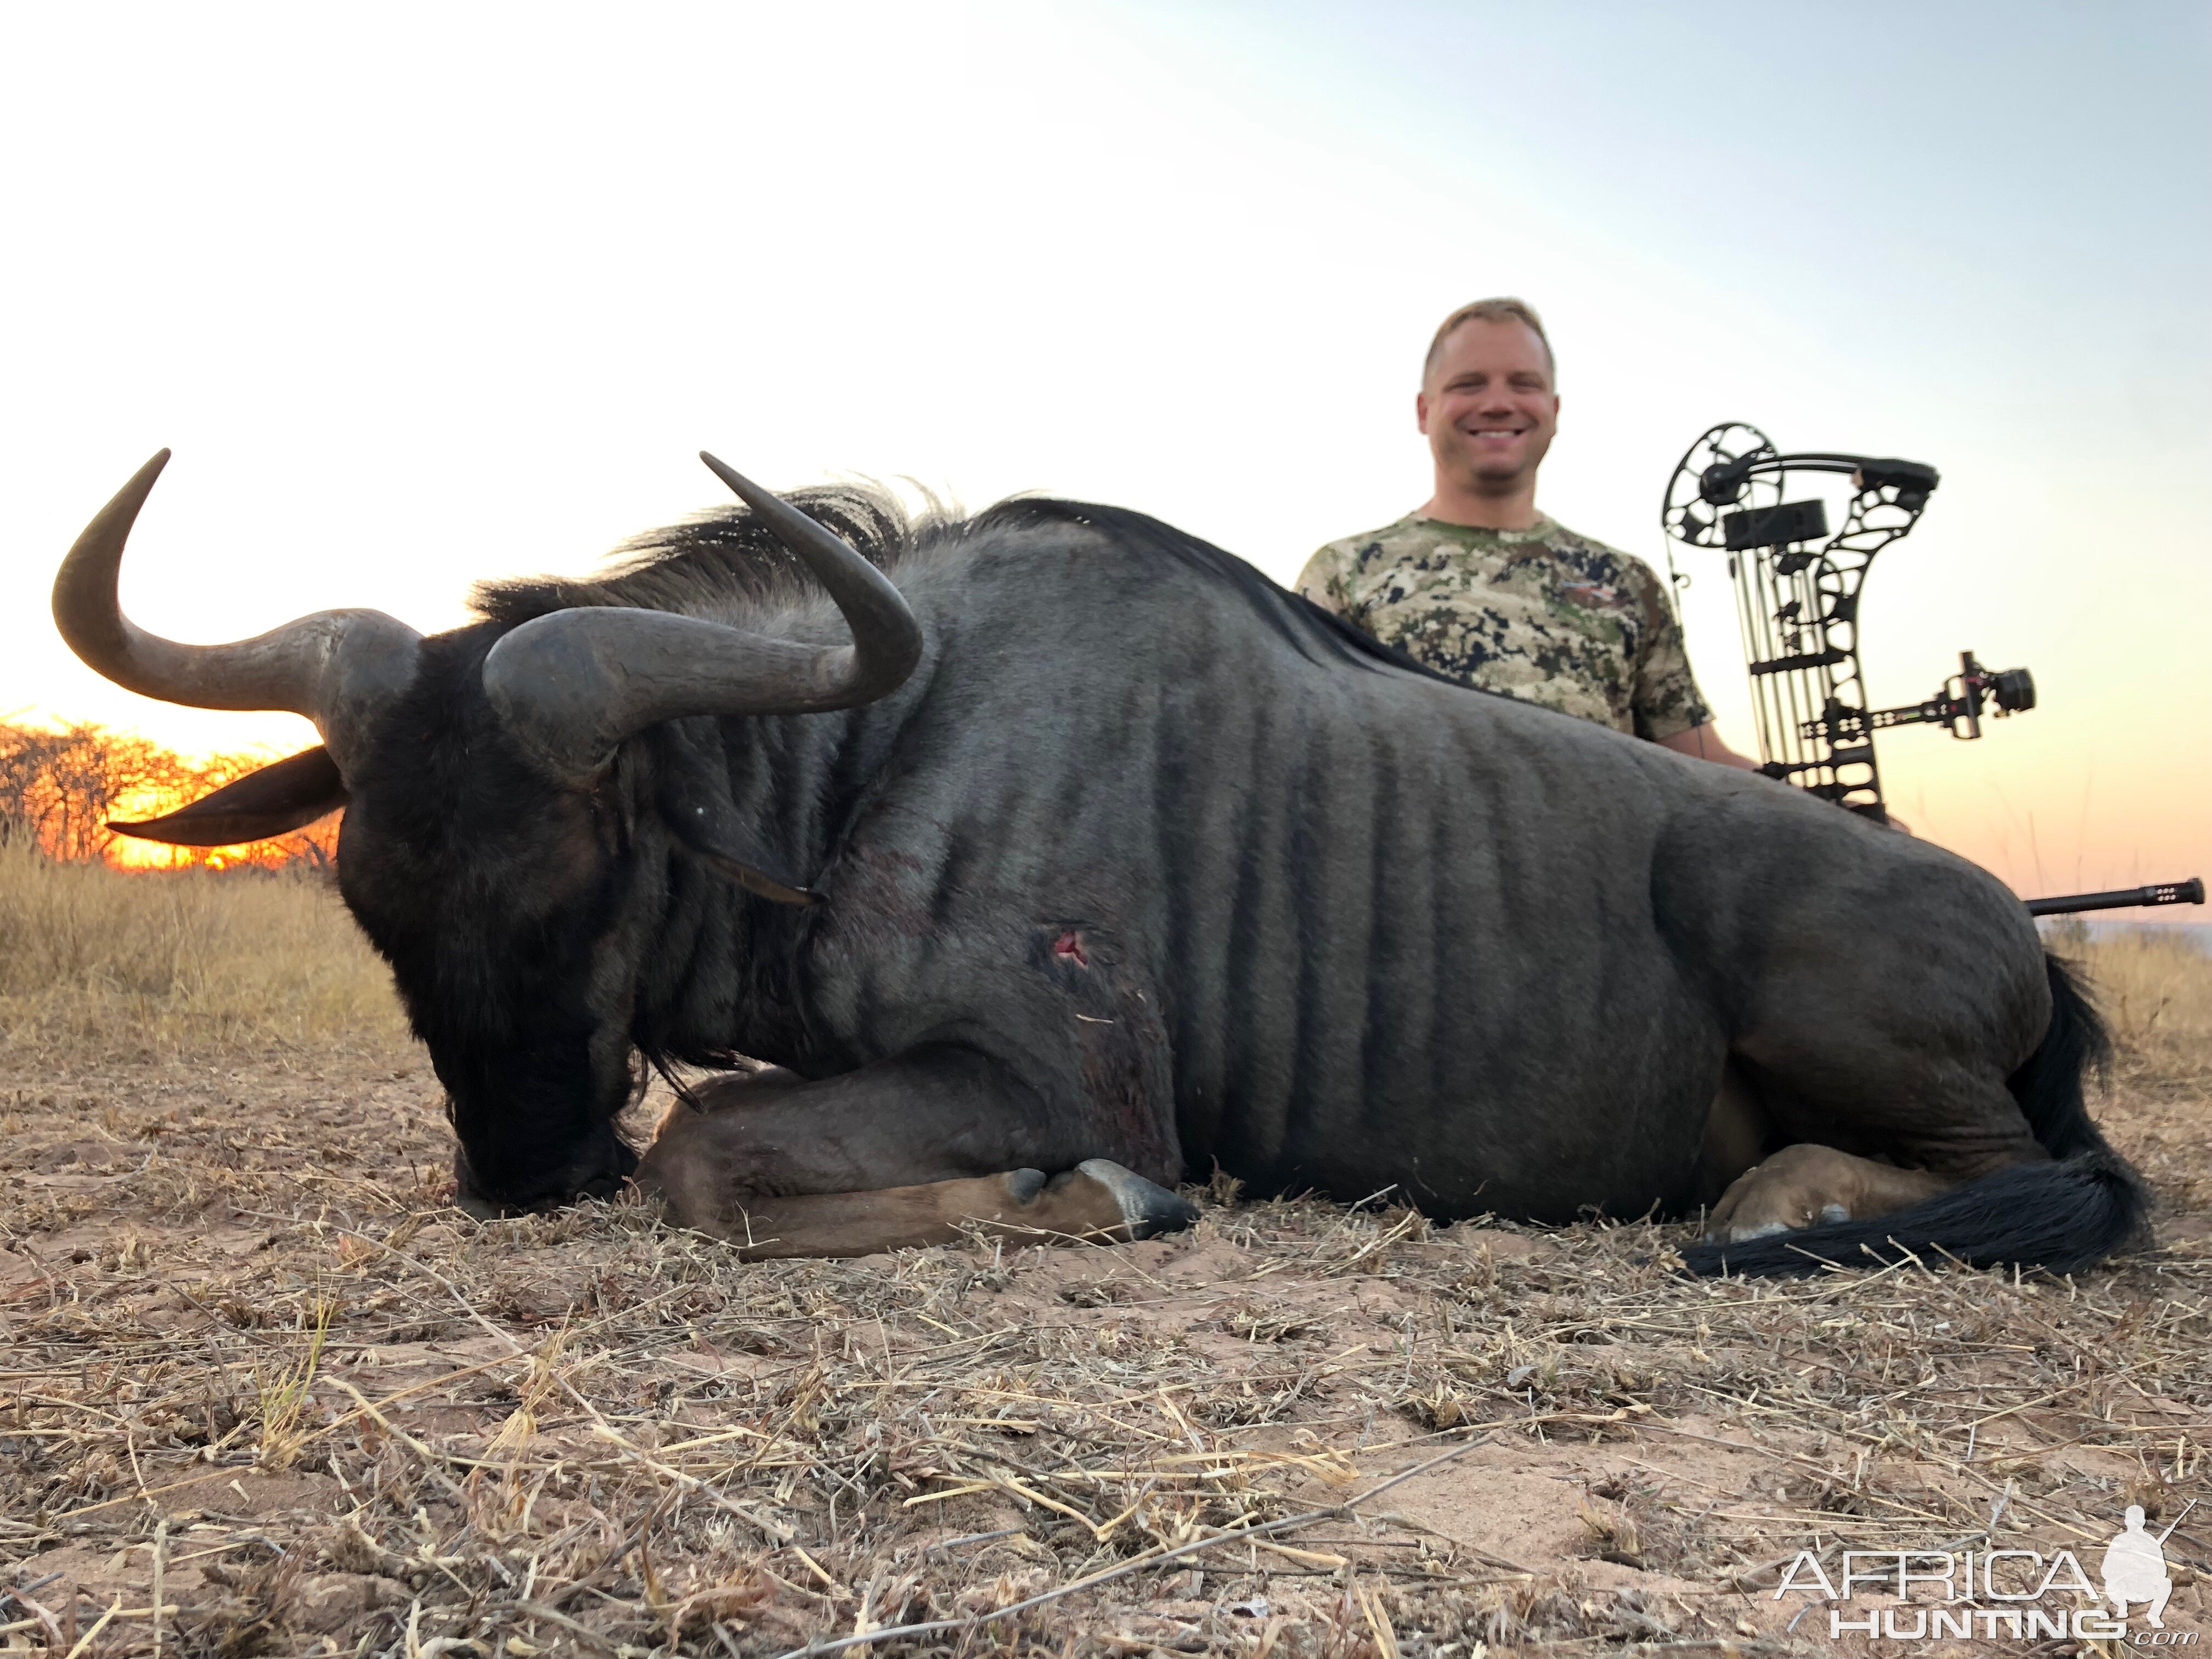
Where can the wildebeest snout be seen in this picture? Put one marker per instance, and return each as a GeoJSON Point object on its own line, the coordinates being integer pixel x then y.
{"type": "Point", "coordinates": [599, 1171]}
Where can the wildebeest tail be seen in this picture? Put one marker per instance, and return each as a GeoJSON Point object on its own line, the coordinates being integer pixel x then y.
{"type": "Point", "coordinates": [2049, 1085]}
{"type": "Point", "coordinates": [2062, 1215]}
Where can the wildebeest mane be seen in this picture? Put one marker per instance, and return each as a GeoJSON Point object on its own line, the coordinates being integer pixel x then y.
{"type": "Point", "coordinates": [711, 561]}
{"type": "Point", "coordinates": [727, 560]}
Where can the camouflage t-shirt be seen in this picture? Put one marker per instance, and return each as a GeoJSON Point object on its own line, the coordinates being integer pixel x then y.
{"type": "Point", "coordinates": [1541, 614]}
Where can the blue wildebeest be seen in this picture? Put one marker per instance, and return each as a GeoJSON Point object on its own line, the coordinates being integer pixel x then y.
{"type": "Point", "coordinates": [1051, 855]}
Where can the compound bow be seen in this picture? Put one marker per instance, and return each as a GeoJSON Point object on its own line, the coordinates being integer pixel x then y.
{"type": "Point", "coordinates": [1797, 591]}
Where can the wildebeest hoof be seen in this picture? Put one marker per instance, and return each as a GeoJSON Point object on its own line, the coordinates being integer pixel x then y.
{"type": "Point", "coordinates": [1745, 1234]}
{"type": "Point", "coordinates": [1023, 1185]}
{"type": "Point", "coordinates": [482, 1209]}
{"type": "Point", "coordinates": [1147, 1210]}
{"type": "Point", "coordinates": [1798, 1187]}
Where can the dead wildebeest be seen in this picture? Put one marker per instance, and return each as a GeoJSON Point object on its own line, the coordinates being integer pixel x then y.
{"type": "Point", "coordinates": [1053, 840]}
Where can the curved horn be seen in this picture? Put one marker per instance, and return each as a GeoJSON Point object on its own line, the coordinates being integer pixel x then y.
{"type": "Point", "coordinates": [573, 684]}
{"type": "Point", "coordinates": [334, 667]}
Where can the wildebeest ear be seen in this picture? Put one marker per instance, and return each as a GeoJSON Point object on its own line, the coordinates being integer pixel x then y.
{"type": "Point", "coordinates": [280, 798]}
{"type": "Point", "coordinates": [712, 829]}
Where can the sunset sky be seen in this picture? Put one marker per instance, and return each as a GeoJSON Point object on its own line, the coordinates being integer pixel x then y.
{"type": "Point", "coordinates": [422, 293]}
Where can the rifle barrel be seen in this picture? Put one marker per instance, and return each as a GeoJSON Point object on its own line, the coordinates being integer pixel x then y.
{"type": "Point", "coordinates": [2126, 898]}
{"type": "Point", "coordinates": [2177, 1521]}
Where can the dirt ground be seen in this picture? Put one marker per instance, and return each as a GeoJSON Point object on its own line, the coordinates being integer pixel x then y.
{"type": "Point", "coordinates": [256, 1374]}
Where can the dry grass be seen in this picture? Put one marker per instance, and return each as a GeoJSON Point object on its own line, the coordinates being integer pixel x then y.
{"type": "Point", "coordinates": [257, 1374]}
{"type": "Point", "coordinates": [2155, 991]}
{"type": "Point", "coordinates": [188, 961]}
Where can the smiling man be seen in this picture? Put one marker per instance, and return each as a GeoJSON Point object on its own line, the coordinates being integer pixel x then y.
{"type": "Point", "coordinates": [1477, 584]}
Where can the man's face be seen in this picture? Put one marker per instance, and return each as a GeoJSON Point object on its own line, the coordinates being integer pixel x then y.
{"type": "Point", "coordinates": [1487, 407]}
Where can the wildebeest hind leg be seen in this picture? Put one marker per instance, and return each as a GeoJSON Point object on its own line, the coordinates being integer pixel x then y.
{"type": "Point", "coordinates": [1863, 1144]}
{"type": "Point", "coordinates": [1882, 1063]}
{"type": "Point", "coordinates": [1805, 1185]}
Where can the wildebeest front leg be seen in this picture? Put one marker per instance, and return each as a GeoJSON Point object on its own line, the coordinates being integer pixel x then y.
{"type": "Point", "coordinates": [899, 1153]}
{"type": "Point", "coordinates": [1098, 1202]}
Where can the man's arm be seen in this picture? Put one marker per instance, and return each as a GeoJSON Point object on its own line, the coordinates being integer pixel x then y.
{"type": "Point", "coordinates": [1705, 742]}
{"type": "Point", "coordinates": [1670, 710]}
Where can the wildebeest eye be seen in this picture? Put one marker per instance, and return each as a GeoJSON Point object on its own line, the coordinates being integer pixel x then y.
{"type": "Point", "coordinates": [711, 829]}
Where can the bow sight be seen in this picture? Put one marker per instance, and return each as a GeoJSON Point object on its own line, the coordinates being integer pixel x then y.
{"type": "Point", "coordinates": [1797, 592]}
{"type": "Point", "coordinates": [1797, 603]}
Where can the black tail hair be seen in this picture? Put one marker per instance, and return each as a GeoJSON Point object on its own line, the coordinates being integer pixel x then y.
{"type": "Point", "coordinates": [2048, 1085]}
{"type": "Point", "coordinates": [2062, 1215]}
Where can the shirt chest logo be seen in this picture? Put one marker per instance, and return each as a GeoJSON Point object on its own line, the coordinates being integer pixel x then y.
{"type": "Point", "coordinates": [1593, 593]}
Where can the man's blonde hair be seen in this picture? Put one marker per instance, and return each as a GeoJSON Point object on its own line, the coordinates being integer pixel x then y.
{"type": "Point", "coordinates": [1504, 309]}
